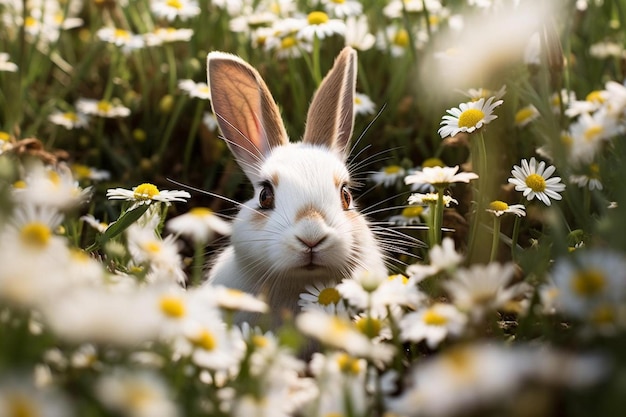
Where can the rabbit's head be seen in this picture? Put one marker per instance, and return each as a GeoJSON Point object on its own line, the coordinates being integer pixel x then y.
{"type": "Point", "coordinates": [302, 225]}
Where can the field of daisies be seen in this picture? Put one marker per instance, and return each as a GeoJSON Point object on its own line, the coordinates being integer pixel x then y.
{"type": "Point", "coordinates": [490, 153]}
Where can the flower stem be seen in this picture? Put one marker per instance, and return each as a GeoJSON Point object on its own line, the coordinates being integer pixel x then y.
{"type": "Point", "coordinates": [437, 218]}
{"type": "Point", "coordinates": [197, 119]}
{"type": "Point", "coordinates": [496, 239]}
{"type": "Point", "coordinates": [198, 262]}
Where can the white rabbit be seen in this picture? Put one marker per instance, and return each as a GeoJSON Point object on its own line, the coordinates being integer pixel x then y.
{"type": "Point", "coordinates": [302, 226]}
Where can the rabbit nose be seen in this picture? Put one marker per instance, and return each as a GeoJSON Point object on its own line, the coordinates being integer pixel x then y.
{"type": "Point", "coordinates": [311, 242]}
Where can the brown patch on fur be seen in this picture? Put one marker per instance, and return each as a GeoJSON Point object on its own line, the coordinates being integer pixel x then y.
{"type": "Point", "coordinates": [258, 219]}
{"type": "Point", "coordinates": [309, 212]}
{"type": "Point", "coordinates": [337, 180]}
{"type": "Point", "coordinates": [274, 179]}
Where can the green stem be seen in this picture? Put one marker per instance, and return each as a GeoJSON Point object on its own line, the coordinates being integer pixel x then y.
{"type": "Point", "coordinates": [514, 237]}
{"type": "Point", "coordinates": [496, 239]}
{"type": "Point", "coordinates": [317, 70]}
{"type": "Point", "coordinates": [171, 64]}
{"type": "Point", "coordinates": [438, 218]}
{"type": "Point", "coordinates": [198, 262]}
{"type": "Point", "coordinates": [170, 126]}
{"type": "Point", "coordinates": [479, 162]}
{"type": "Point", "coordinates": [191, 138]}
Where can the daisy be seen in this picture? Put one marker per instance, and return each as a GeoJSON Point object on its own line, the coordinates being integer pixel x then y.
{"type": "Point", "coordinates": [394, 39]}
{"type": "Point", "coordinates": [5, 64]}
{"type": "Point", "coordinates": [606, 49]}
{"type": "Point", "coordinates": [430, 199]}
{"type": "Point", "coordinates": [69, 119]}
{"type": "Point", "coordinates": [440, 176]}
{"type": "Point", "coordinates": [476, 94]}
{"type": "Point", "coordinates": [342, 334]}
{"type": "Point", "coordinates": [210, 121]}
{"type": "Point", "coordinates": [410, 215]}
{"type": "Point", "coordinates": [357, 34]}
{"type": "Point", "coordinates": [590, 179]}
{"type": "Point", "coordinates": [172, 9]}
{"type": "Point", "coordinates": [162, 255]}
{"type": "Point", "coordinates": [589, 132]}
{"type": "Point", "coordinates": [563, 99]}
{"type": "Point", "coordinates": [210, 344]}
{"type": "Point", "coordinates": [232, 299]}
{"type": "Point", "coordinates": [320, 26]}
{"type": "Point", "coordinates": [388, 176]}
{"type": "Point", "coordinates": [147, 193]}
{"type": "Point", "coordinates": [432, 324]}
{"type": "Point", "coordinates": [363, 104]}
{"type": "Point", "coordinates": [83, 172]}
{"type": "Point", "coordinates": [128, 41]}
{"type": "Point", "coordinates": [428, 163]}
{"type": "Point", "coordinates": [21, 396]}
{"type": "Point", "coordinates": [343, 8]}
{"type": "Point", "coordinates": [588, 280]}
{"type": "Point", "coordinates": [200, 224]}
{"type": "Point", "coordinates": [525, 115]}
{"type": "Point", "coordinates": [136, 393]}
{"type": "Point", "coordinates": [102, 108]}
{"type": "Point", "coordinates": [197, 90]}
{"type": "Point", "coordinates": [616, 98]}
{"type": "Point", "coordinates": [593, 102]}
{"type": "Point", "coordinates": [441, 258]}
{"type": "Point", "coordinates": [482, 288]}
{"type": "Point", "coordinates": [322, 297]}
{"type": "Point", "coordinates": [498, 208]}
{"type": "Point", "coordinates": [167, 35]}
{"type": "Point", "coordinates": [95, 223]}
{"type": "Point", "coordinates": [534, 181]}
{"type": "Point", "coordinates": [468, 117]}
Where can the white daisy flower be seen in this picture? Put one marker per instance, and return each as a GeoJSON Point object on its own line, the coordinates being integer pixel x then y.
{"type": "Point", "coordinates": [468, 117]}
{"type": "Point", "coordinates": [69, 119]}
{"type": "Point", "coordinates": [394, 39]}
{"type": "Point", "coordinates": [476, 94]}
{"type": "Point", "coordinates": [593, 102]}
{"type": "Point", "coordinates": [564, 98]}
{"type": "Point", "coordinates": [430, 199]}
{"type": "Point", "coordinates": [589, 132]}
{"type": "Point", "coordinates": [440, 176]}
{"type": "Point", "coordinates": [5, 64]}
{"type": "Point", "coordinates": [197, 90]}
{"type": "Point", "coordinates": [533, 179]}
{"type": "Point", "coordinates": [388, 176]}
{"type": "Point", "coordinates": [616, 98]}
{"type": "Point", "coordinates": [173, 9]}
{"type": "Point", "coordinates": [498, 208]}
{"type": "Point", "coordinates": [83, 172]}
{"type": "Point", "coordinates": [343, 8]}
{"type": "Point", "coordinates": [322, 297]}
{"type": "Point", "coordinates": [167, 35]}
{"type": "Point", "coordinates": [234, 299]}
{"type": "Point", "coordinates": [147, 193]}
{"type": "Point", "coordinates": [606, 49]}
{"type": "Point", "coordinates": [432, 324]}
{"type": "Point", "coordinates": [200, 224]}
{"type": "Point", "coordinates": [162, 255]}
{"type": "Point", "coordinates": [136, 393]}
{"type": "Point", "coordinates": [525, 115]}
{"type": "Point", "coordinates": [209, 344]}
{"type": "Point", "coordinates": [102, 108]}
{"type": "Point", "coordinates": [482, 288]}
{"type": "Point", "coordinates": [94, 223]}
{"type": "Point", "coordinates": [357, 34]}
{"type": "Point", "coordinates": [210, 121]}
{"type": "Point", "coordinates": [363, 104]}
{"type": "Point", "coordinates": [128, 41]}
{"type": "Point", "coordinates": [321, 26]}
{"type": "Point", "coordinates": [589, 280]}
{"type": "Point", "coordinates": [442, 258]}
{"type": "Point", "coordinates": [410, 215]}
{"type": "Point", "coordinates": [21, 396]}
{"type": "Point", "coordinates": [590, 179]}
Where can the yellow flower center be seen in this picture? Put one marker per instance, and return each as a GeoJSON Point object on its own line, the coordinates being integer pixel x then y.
{"type": "Point", "coordinates": [54, 177]}
{"type": "Point", "coordinates": [328, 296]}
{"type": "Point", "coordinates": [432, 162]}
{"type": "Point", "coordinates": [145, 191]}
{"type": "Point", "coordinates": [595, 97]}
{"type": "Point", "coordinates": [288, 42]}
{"type": "Point", "coordinates": [594, 171]}
{"type": "Point", "coordinates": [21, 406]}
{"type": "Point", "coordinates": [153, 246]}
{"type": "Point", "coordinates": [498, 205]}
{"type": "Point", "coordinates": [204, 340]}
{"type": "Point", "coordinates": [412, 212]}
{"type": "Point", "coordinates": [339, 1]}
{"type": "Point", "coordinates": [172, 306]}
{"type": "Point", "coordinates": [333, 414]}
{"type": "Point", "coordinates": [432, 318]}
{"type": "Point", "coordinates": [536, 183]}
{"type": "Point", "coordinates": [71, 116]}
{"type": "Point", "coordinates": [30, 22]}
{"type": "Point", "coordinates": [81, 171]}
{"type": "Point", "coordinates": [175, 4]}
{"type": "Point", "coordinates": [593, 132]}
{"type": "Point", "coordinates": [338, 326]}
{"type": "Point", "coordinates": [121, 33]}
{"type": "Point", "coordinates": [567, 140]}
{"type": "Point", "coordinates": [19, 184]}
{"type": "Point", "coordinates": [36, 234]}
{"type": "Point", "coordinates": [470, 117]}
{"type": "Point", "coordinates": [357, 100]}
{"type": "Point", "coordinates": [348, 364]}
{"type": "Point", "coordinates": [401, 38]}
{"type": "Point", "coordinates": [4, 136]}
{"type": "Point", "coordinates": [259, 341]}
{"type": "Point", "coordinates": [603, 315]}
{"type": "Point", "coordinates": [588, 282]}
{"type": "Point", "coordinates": [392, 169]}
{"type": "Point", "coordinates": [405, 280]}
{"type": "Point", "coordinates": [104, 106]}
{"type": "Point", "coordinates": [369, 326]}
{"type": "Point", "coordinates": [79, 255]}
{"type": "Point", "coordinates": [201, 212]}
{"type": "Point", "coordinates": [524, 115]}
{"type": "Point", "coordinates": [317, 18]}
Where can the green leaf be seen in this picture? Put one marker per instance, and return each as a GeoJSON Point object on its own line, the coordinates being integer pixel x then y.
{"type": "Point", "coordinates": [126, 219]}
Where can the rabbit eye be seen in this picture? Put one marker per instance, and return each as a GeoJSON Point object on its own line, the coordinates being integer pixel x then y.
{"type": "Point", "coordinates": [266, 197]}
{"type": "Point", "coordinates": [346, 197]}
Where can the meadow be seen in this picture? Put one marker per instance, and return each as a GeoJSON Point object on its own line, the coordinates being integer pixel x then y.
{"type": "Point", "coordinates": [487, 153]}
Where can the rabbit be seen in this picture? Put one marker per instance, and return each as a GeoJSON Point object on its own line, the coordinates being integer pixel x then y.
{"type": "Point", "coordinates": [302, 226]}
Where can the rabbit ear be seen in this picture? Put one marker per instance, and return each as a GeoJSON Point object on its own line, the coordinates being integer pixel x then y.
{"type": "Point", "coordinates": [246, 112]}
{"type": "Point", "coordinates": [330, 119]}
